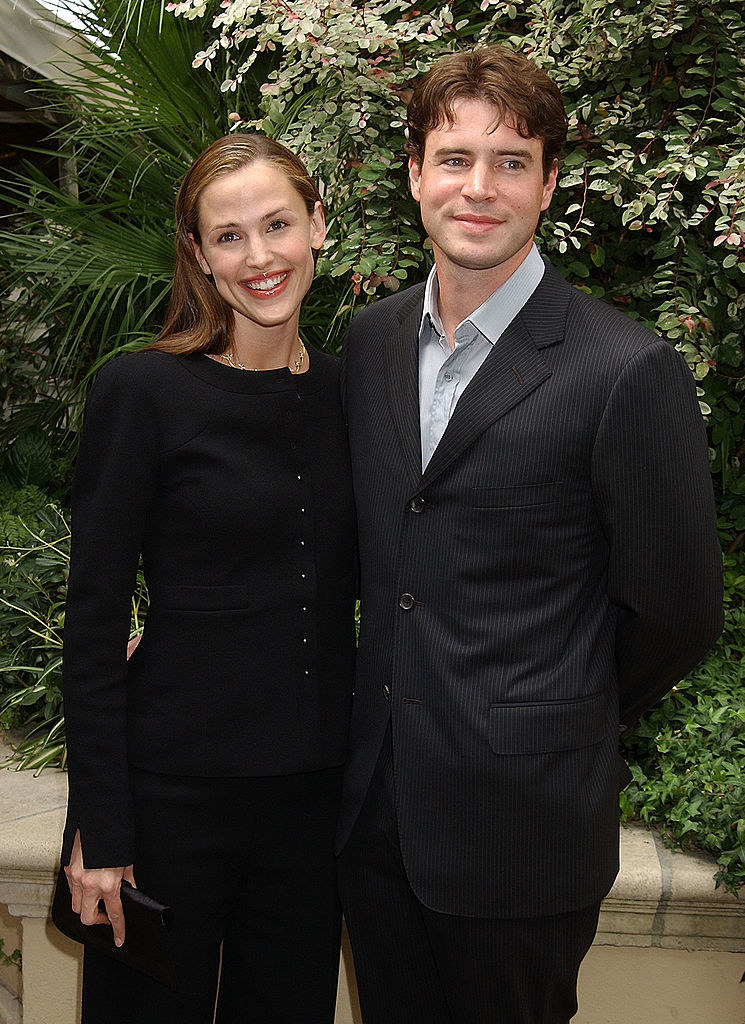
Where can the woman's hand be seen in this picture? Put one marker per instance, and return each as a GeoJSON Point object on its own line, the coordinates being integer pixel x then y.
{"type": "Point", "coordinates": [89, 885]}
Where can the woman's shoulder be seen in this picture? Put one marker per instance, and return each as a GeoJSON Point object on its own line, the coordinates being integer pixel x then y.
{"type": "Point", "coordinates": [139, 369]}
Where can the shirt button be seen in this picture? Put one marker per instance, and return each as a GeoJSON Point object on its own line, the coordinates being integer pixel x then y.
{"type": "Point", "coordinates": [417, 504]}
{"type": "Point", "coordinates": [387, 692]}
{"type": "Point", "coordinates": [406, 601]}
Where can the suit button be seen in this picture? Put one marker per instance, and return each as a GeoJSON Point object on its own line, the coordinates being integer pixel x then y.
{"type": "Point", "coordinates": [406, 601]}
{"type": "Point", "coordinates": [387, 692]}
{"type": "Point", "coordinates": [417, 504]}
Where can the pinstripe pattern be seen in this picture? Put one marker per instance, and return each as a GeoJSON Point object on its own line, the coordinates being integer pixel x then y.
{"type": "Point", "coordinates": [415, 965]}
{"type": "Point", "coordinates": [561, 559]}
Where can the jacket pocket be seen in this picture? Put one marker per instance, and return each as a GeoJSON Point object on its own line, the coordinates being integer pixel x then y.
{"type": "Point", "coordinates": [547, 727]}
{"type": "Point", "coordinates": [522, 496]}
{"type": "Point", "coordinates": [203, 599]}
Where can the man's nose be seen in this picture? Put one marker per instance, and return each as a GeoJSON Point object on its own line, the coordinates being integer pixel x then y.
{"type": "Point", "coordinates": [480, 183]}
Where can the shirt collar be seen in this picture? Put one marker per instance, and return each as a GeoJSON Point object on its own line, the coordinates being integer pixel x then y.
{"type": "Point", "coordinates": [495, 313]}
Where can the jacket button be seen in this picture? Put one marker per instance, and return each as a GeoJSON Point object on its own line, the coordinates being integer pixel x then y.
{"type": "Point", "coordinates": [406, 601]}
{"type": "Point", "coordinates": [417, 504]}
{"type": "Point", "coordinates": [387, 692]}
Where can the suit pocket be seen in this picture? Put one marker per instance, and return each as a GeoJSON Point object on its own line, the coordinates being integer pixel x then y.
{"type": "Point", "coordinates": [522, 496]}
{"type": "Point", "coordinates": [204, 599]}
{"type": "Point", "coordinates": [547, 727]}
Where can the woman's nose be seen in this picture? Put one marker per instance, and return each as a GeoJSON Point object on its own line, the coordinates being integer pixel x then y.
{"type": "Point", "coordinates": [257, 254]}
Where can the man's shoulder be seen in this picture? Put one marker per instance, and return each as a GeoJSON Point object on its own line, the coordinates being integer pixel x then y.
{"type": "Point", "coordinates": [592, 321]}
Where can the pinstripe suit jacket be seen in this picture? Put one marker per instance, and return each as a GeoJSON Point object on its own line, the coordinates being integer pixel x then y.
{"type": "Point", "coordinates": [557, 561]}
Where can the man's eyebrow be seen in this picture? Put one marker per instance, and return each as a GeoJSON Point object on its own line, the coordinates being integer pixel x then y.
{"type": "Point", "coordinates": [445, 151]}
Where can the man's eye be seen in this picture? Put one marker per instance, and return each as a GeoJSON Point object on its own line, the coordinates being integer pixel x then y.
{"type": "Point", "coordinates": [455, 161]}
{"type": "Point", "coordinates": [514, 165]}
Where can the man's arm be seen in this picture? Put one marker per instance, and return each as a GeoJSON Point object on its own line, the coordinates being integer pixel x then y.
{"type": "Point", "coordinates": [653, 488]}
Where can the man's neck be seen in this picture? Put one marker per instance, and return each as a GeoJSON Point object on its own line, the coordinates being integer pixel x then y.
{"type": "Point", "coordinates": [461, 290]}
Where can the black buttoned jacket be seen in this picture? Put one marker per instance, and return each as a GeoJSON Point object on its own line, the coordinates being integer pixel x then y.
{"type": "Point", "coordinates": [235, 489]}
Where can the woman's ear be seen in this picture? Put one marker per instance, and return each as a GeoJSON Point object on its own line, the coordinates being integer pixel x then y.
{"type": "Point", "coordinates": [199, 255]}
{"type": "Point", "coordinates": [317, 227]}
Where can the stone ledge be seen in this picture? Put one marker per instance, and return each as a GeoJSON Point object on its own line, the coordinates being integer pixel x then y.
{"type": "Point", "coordinates": [661, 897]}
{"type": "Point", "coordinates": [32, 814]}
{"type": "Point", "coordinates": [666, 898]}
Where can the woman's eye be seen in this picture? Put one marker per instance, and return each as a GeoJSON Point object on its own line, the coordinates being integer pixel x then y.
{"type": "Point", "coordinates": [227, 236]}
{"type": "Point", "coordinates": [277, 225]}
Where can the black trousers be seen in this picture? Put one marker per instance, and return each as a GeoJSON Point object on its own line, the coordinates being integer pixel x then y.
{"type": "Point", "coordinates": [244, 863]}
{"type": "Point", "coordinates": [417, 966]}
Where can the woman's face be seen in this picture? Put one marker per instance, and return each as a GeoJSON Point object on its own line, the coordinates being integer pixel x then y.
{"type": "Point", "coordinates": [256, 242]}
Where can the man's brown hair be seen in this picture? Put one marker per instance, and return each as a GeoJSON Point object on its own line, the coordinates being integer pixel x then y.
{"type": "Point", "coordinates": [522, 94]}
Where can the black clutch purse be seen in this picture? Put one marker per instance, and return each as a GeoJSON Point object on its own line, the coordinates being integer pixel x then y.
{"type": "Point", "coordinates": [146, 921]}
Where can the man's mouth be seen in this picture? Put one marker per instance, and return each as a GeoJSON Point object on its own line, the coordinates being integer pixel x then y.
{"type": "Point", "coordinates": [477, 220]}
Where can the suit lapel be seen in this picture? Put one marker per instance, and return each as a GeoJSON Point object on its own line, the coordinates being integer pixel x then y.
{"type": "Point", "coordinates": [402, 381]}
{"type": "Point", "coordinates": [513, 369]}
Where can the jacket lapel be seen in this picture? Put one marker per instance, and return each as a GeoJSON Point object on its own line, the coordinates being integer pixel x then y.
{"type": "Point", "coordinates": [513, 369]}
{"type": "Point", "coordinates": [402, 380]}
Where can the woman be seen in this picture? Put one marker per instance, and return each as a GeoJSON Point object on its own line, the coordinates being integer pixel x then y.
{"type": "Point", "coordinates": [207, 768]}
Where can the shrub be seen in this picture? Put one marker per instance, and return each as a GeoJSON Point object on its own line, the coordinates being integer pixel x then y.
{"type": "Point", "coordinates": [33, 581]}
{"type": "Point", "coordinates": [687, 754]}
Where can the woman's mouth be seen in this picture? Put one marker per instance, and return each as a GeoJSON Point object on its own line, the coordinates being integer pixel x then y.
{"type": "Point", "coordinates": [267, 285]}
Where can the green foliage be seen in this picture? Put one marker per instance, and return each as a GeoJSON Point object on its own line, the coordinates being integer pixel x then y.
{"type": "Point", "coordinates": [649, 216]}
{"type": "Point", "coordinates": [687, 754]}
{"type": "Point", "coordinates": [33, 582]}
{"type": "Point", "coordinates": [18, 508]}
{"type": "Point", "coordinates": [88, 260]}
{"type": "Point", "coordinates": [650, 212]}
{"type": "Point", "coordinates": [9, 959]}
{"type": "Point", "coordinates": [33, 577]}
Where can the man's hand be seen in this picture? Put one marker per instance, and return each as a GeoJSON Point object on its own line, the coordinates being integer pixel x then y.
{"type": "Point", "coordinates": [89, 885]}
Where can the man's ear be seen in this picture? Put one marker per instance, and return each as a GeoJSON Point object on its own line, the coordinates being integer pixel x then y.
{"type": "Point", "coordinates": [199, 255]}
{"type": "Point", "coordinates": [415, 173]}
{"type": "Point", "coordinates": [549, 185]}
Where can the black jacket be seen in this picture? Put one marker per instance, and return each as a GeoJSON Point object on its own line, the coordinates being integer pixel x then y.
{"type": "Point", "coordinates": [556, 561]}
{"type": "Point", "coordinates": [235, 488]}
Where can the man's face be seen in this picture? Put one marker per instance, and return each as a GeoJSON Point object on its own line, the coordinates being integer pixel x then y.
{"type": "Point", "coordinates": [480, 191]}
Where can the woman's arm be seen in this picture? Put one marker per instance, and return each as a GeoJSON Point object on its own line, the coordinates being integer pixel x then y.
{"type": "Point", "coordinates": [115, 479]}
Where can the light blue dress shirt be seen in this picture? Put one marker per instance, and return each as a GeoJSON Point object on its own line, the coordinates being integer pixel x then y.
{"type": "Point", "coordinates": [444, 374]}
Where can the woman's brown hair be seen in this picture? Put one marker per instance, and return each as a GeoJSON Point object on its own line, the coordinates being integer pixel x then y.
{"type": "Point", "coordinates": [198, 318]}
{"type": "Point", "coordinates": [522, 94]}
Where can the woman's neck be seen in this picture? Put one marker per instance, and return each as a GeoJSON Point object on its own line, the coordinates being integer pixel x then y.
{"type": "Point", "coordinates": [266, 348]}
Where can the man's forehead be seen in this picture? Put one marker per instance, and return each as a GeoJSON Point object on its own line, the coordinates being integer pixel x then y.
{"type": "Point", "coordinates": [451, 120]}
{"type": "Point", "coordinates": [449, 114]}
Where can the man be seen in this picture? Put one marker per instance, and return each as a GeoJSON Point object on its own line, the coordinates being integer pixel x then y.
{"type": "Point", "coordinates": [537, 549]}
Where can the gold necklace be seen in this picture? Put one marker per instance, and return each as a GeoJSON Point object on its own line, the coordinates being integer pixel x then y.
{"type": "Point", "coordinates": [295, 368]}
